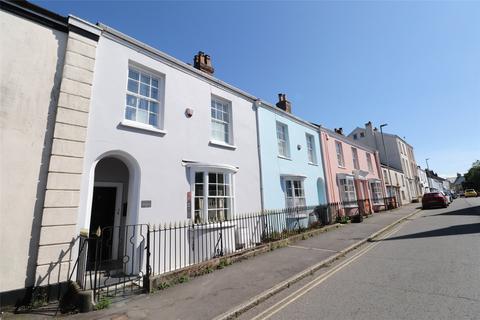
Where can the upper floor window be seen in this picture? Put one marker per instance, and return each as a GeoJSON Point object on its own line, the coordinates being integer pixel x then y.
{"type": "Point", "coordinates": [340, 158]}
{"type": "Point", "coordinates": [362, 134]}
{"type": "Point", "coordinates": [282, 139]}
{"type": "Point", "coordinates": [356, 165]}
{"type": "Point", "coordinates": [143, 103]}
{"type": "Point", "coordinates": [221, 112]}
{"type": "Point", "coordinates": [312, 155]}
{"type": "Point", "coordinates": [355, 137]}
{"type": "Point", "coordinates": [369, 162]}
{"type": "Point", "coordinates": [385, 176]}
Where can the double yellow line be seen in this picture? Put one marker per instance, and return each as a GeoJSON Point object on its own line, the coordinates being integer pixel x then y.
{"type": "Point", "coordinates": [318, 280]}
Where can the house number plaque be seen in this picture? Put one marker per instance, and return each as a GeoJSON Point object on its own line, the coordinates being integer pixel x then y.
{"type": "Point", "coordinates": [146, 203]}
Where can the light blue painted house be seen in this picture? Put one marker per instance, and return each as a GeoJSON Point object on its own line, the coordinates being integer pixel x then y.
{"type": "Point", "coordinates": [290, 155]}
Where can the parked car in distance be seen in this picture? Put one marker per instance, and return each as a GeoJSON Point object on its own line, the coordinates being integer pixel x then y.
{"type": "Point", "coordinates": [470, 193]}
{"type": "Point", "coordinates": [434, 199]}
{"type": "Point", "coordinates": [454, 195]}
{"type": "Point", "coordinates": [448, 195]}
{"type": "Point", "coordinates": [461, 193]}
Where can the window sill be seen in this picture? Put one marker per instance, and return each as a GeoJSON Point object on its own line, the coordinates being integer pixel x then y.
{"type": "Point", "coordinates": [141, 126]}
{"type": "Point", "coordinates": [285, 158]}
{"type": "Point", "coordinates": [343, 167]}
{"type": "Point", "coordinates": [313, 164]}
{"type": "Point", "coordinates": [217, 143]}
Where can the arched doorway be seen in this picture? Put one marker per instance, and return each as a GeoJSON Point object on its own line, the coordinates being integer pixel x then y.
{"type": "Point", "coordinates": [109, 209]}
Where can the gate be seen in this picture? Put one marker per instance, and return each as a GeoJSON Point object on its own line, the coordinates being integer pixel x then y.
{"type": "Point", "coordinates": [114, 260]}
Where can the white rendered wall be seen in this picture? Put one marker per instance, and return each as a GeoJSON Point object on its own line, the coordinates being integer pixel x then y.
{"type": "Point", "coordinates": [155, 160]}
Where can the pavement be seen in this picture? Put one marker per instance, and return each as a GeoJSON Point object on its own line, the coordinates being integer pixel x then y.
{"type": "Point", "coordinates": [214, 294]}
{"type": "Point", "coordinates": [222, 292]}
{"type": "Point", "coordinates": [425, 268]}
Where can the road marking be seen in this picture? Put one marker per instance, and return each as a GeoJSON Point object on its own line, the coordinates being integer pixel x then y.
{"type": "Point", "coordinates": [309, 248]}
{"type": "Point", "coordinates": [321, 278]}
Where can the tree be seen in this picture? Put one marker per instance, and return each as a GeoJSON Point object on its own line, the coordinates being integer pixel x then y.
{"type": "Point", "coordinates": [472, 177]}
{"type": "Point", "coordinates": [476, 164]}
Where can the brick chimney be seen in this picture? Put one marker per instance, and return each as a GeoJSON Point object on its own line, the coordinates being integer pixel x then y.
{"type": "Point", "coordinates": [283, 103]}
{"type": "Point", "coordinates": [202, 62]}
{"type": "Point", "coordinates": [339, 131]}
{"type": "Point", "coordinates": [369, 128]}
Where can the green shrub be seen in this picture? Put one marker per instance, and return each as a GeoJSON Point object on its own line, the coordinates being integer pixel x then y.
{"type": "Point", "coordinates": [103, 303]}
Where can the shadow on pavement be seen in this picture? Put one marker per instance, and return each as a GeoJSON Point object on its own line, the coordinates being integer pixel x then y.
{"type": "Point", "coordinates": [472, 211]}
{"type": "Point", "coordinates": [449, 231]}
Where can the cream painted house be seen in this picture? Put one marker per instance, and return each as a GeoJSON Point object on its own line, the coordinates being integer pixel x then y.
{"type": "Point", "coordinates": [43, 131]}
{"type": "Point", "coordinates": [394, 152]}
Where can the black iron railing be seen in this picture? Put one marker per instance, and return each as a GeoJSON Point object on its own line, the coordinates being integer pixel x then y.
{"type": "Point", "coordinates": [117, 259]}
{"type": "Point", "coordinates": [179, 245]}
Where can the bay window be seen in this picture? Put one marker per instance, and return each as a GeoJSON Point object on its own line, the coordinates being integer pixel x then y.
{"type": "Point", "coordinates": [376, 189]}
{"type": "Point", "coordinates": [294, 192]}
{"type": "Point", "coordinates": [213, 194]}
{"type": "Point", "coordinates": [347, 189]}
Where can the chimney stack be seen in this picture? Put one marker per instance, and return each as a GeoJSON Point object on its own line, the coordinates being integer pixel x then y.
{"type": "Point", "coordinates": [202, 62]}
{"type": "Point", "coordinates": [283, 103]}
{"type": "Point", "coordinates": [339, 131]}
{"type": "Point", "coordinates": [369, 128]}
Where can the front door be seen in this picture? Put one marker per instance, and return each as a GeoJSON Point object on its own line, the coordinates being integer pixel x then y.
{"type": "Point", "coordinates": [103, 215]}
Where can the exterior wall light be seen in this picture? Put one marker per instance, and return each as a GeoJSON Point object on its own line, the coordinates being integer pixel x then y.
{"type": "Point", "coordinates": [188, 112]}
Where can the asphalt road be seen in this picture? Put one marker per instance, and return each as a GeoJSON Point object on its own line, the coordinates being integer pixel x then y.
{"type": "Point", "coordinates": [427, 268]}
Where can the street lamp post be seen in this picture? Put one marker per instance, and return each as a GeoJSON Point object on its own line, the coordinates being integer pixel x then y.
{"type": "Point", "coordinates": [428, 180]}
{"type": "Point", "coordinates": [386, 156]}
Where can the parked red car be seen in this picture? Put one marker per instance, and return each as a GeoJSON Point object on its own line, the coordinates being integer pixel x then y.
{"type": "Point", "coordinates": [434, 199]}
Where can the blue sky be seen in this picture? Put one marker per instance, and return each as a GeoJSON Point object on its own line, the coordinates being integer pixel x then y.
{"type": "Point", "coordinates": [413, 65]}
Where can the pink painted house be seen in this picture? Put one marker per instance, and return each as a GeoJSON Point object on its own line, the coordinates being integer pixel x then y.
{"type": "Point", "coordinates": [352, 174]}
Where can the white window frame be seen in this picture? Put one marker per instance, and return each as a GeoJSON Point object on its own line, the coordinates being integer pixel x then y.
{"type": "Point", "coordinates": [226, 105]}
{"type": "Point", "coordinates": [347, 190]}
{"type": "Point", "coordinates": [311, 148]}
{"type": "Point", "coordinates": [203, 213]}
{"type": "Point", "coordinates": [160, 78]}
{"type": "Point", "coordinates": [339, 152]}
{"type": "Point", "coordinates": [283, 142]}
{"type": "Point", "coordinates": [376, 189]}
{"type": "Point", "coordinates": [369, 162]}
{"type": "Point", "coordinates": [356, 162]}
{"type": "Point", "coordinates": [296, 196]}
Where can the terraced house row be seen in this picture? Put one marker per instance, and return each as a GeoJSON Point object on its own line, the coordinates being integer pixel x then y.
{"type": "Point", "coordinates": [102, 130]}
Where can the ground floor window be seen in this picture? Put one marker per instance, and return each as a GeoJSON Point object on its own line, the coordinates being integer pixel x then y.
{"type": "Point", "coordinates": [213, 196]}
{"type": "Point", "coordinates": [347, 189]}
{"type": "Point", "coordinates": [294, 193]}
{"type": "Point", "coordinates": [376, 188]}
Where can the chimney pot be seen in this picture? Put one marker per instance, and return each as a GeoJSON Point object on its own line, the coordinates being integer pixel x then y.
{"type": "Point", "coordinates": [202, 62]}
{"type": "Point", "coordinates": [283, 103]}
